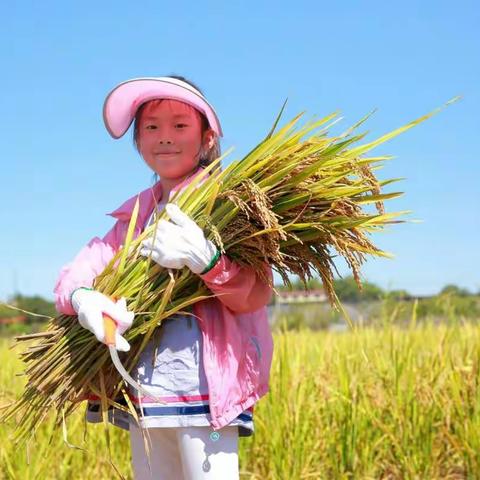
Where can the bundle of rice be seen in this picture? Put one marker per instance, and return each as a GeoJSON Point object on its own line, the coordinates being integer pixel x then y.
{"type": "Point", "coordinates": [291, 202]}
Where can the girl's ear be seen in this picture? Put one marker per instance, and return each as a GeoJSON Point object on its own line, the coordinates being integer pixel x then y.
{"type": "Point", "coordinates": [209, 139]}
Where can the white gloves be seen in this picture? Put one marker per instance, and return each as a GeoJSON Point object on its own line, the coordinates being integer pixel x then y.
{"type": "Point", "coordinates": [180, 244]}
{"type": "Point", "coordinates": [90, 306]}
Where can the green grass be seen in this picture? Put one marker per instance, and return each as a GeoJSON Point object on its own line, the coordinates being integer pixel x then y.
{"type": "Point", "coordinates": [378, 403]}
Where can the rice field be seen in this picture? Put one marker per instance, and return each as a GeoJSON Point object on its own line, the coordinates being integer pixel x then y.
{"type": "Point", "coordinates": [375, 403]}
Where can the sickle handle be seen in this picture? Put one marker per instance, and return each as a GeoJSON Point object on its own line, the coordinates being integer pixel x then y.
{"type": "Point", "coordinates": [110, 327]}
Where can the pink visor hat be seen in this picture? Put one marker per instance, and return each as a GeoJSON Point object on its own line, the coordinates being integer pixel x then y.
{"type": "Point", "coordinates": [123, 101]}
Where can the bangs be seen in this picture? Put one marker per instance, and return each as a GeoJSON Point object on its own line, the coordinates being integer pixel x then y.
{"type": "Point", "coordinates": [174, 105]}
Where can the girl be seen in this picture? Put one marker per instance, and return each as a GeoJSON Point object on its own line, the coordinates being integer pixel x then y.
{"type": "Point", "coordinates": [212, 370]}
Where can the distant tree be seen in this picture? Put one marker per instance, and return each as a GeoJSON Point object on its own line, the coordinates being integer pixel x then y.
{"type": "Point", "coordinates": [400, 295]}
{"type": "Point", "coordinates": [454, 290]}
{"type": "Point", "coordinates": [348, 291]}
{"type": "Point", "coordinates": [35, 304]}
{"type": "Point", "coordinates": [7, 312]}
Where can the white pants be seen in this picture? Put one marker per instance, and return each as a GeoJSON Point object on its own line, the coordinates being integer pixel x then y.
{"type": "Point", "coordinates": [184, 453]}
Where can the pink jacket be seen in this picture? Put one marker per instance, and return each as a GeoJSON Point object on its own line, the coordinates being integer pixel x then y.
{"type": "Point", "coordinates": [237, 340]}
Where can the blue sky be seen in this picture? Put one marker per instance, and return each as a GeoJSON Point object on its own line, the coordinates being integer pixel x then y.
{"type": "Point", "coordinates": [62, 172]}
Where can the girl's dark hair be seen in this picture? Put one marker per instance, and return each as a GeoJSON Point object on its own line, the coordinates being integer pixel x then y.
{"type": "Point", "coordinates": [208, 156]}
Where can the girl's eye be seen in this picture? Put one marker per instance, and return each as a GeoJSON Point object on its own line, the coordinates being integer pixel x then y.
{"type": "Point", "coordinates": [150, 127]}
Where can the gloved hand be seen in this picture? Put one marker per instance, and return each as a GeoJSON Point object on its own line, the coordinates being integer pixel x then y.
{"type": "Point", "coordinates": [90, 306]}
{"type": "Point", "coordinates": [181, 243]}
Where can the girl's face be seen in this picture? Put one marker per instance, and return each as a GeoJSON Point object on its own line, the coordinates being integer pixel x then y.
{"type": "Point", "coordinates": [170, 137]}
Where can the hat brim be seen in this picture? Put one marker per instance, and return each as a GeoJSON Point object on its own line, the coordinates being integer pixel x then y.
{"type": "Point", "coordinates": [122, 102]}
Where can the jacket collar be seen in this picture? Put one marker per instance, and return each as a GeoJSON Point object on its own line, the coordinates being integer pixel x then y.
{"type": "Point", "coordinates": [148, 197]}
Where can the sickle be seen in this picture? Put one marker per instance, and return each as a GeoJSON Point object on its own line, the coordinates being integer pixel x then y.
{"type": "Point", "coordinates": [110, 327]}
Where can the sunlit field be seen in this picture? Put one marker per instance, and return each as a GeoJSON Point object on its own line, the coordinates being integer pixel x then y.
{"type": "Point", "coordinates": [388, 402]}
